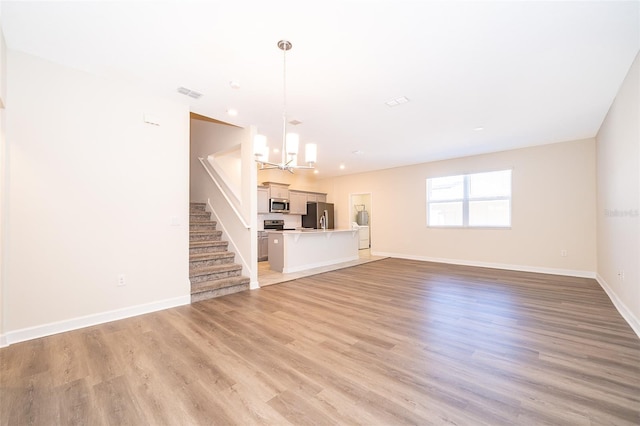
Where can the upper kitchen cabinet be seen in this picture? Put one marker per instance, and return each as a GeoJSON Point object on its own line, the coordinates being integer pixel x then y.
{"type": "Point", "coordinates": [316, 197]}
{"type": "Point", "coordinates": [297, 202]}
{"type": "Point", "coordinates": [277, 190]}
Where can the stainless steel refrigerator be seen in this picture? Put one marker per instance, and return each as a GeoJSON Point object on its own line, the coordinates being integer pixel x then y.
{"type": "Point", "coordinates": [315, 212]}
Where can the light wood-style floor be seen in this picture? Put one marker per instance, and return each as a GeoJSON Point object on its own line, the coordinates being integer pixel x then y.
{"type": "Point", "coordinates": [385, 343]}
{"type": "Point", "coordinates": [266, 276]}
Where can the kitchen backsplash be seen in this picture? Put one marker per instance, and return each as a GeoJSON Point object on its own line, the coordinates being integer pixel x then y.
{"type": "Point", "coordinates": [290, 220]}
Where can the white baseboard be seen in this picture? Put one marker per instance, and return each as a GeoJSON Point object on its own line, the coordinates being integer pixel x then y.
{"type": "Point", "coordinates": [628, 316]}
{"type": "Point", "coordinates": [507, 266]}
{"type": "Point", "coordinates": [253, 285]}
{"type": "Point", "coordinates": [89, 320]}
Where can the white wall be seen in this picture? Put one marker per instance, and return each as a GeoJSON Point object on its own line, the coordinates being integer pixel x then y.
{"type": "Point", "coordinates": [618, 165]}
{"type": "Point", "coordinates": [553, 210]}
{"type": "Point", "coordinates": [93, 192]}
{"type": "Point", "coordinates": [3, 168]}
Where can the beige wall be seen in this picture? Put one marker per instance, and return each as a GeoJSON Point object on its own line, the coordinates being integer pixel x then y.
{"type": "Point", "coordinates": [553, 209]}
{"type": "Point", "coordinates": [93, 192]}
{"type": "Point", "coordinates": [302, 180]}
{"type": "Point", "coordinates": [618, 153]}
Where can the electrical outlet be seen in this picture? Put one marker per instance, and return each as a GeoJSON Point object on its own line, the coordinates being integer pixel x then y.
{"type": "Point", "coordinates": [121, 280]}
{"type": "Point", "coordinates": [563, 253]}
{"type": "Point", "coordinates": [621, 275]}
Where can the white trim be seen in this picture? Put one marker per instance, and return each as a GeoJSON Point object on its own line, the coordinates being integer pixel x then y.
{"type": "Point", "coordinates": [227, 235]}
{"type": "Point", "coordinates": [90, 320]}
{"type": "Point", "coordinates": [523, 268]}
{"type": "Point", "coordinates": [254, 285]}
{"type": "Point", "coordinates": [626, 313]}
{"type": "Point", "coordinates": [224, 194]}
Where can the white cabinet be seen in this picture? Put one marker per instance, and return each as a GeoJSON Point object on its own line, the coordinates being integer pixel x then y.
{"type": "Point", "coordinates": [363, 237]}
{"type": "Point", "coordinates": [297, 202]}
{"type": "Point", "coordinates": [297, 199]}
{"type": "Point", "coordinates": [313, 197]}
{"type": "Point", "coordinates": [278, 190]}
{"type": "Point", "coordinates": [263, 200]}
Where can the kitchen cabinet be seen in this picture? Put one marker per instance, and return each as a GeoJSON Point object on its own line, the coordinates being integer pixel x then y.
{"type": "Point", "coordinates": [263, 246]}
{"type": "Point", "coordinates": [278, 190]}
{"type": "Point", "coordinates": [363, 232]}
{"type": "Point", "coordinates": [297, 202]}
{"type": "Point", "coordinates": [316, 197]}
{"type": "Point", "coordinates": [263, 200]}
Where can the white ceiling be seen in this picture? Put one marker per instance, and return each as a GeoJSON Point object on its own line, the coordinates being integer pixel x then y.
{"type": "Point", "coordinates": [528, 72]}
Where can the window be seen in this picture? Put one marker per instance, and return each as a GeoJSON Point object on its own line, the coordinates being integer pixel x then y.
{"type": "Point", "coordinates": [477, 200]}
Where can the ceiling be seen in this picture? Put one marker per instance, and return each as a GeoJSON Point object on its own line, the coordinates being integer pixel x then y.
{"type": "Point", "coordinates": [526, 72]}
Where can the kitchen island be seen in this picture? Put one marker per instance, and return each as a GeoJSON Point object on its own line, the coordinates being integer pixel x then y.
{"type": "Point", "coordinates": [294, 251]}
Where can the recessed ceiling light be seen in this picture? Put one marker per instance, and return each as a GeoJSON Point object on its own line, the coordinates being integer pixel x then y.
{"type": "Point", "coordinates": [478, 129]}
{"type": "Point", "coordinates": [357, 152]}
{"type": "Point", "coordinates": [232, 112]}
{"type": "Point", "coordinates": [276, 150]}
{"type": "Point", "coordinates": [315, 171]}
{"type": "Point", "coordinates": [234, 84]}
{"type": "Point", "coordinates": [295, 122]}
{"type": "Point", "coordinates": [341, 166]}
{"type": "Point", "coordinates": [397, 101]}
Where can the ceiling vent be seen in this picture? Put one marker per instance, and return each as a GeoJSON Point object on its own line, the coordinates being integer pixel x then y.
{"type": "Point", "coordinates": [397, 101]}
{"type": "Point", "coordinates": [188, 92]}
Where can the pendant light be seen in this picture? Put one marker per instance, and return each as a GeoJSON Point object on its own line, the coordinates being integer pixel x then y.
{"type": "Point", "coordinates": [290, 141]}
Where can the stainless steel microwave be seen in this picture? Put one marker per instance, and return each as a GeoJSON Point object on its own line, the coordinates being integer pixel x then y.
{"type": "Point", "coordinates": [278, 205]}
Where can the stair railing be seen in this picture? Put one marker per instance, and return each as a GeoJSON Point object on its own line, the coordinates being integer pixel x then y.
{"type": "Point", "coordinates": [224, 194]}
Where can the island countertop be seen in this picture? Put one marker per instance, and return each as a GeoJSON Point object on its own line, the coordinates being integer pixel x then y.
{"type": "Point", "coordinates": [297, 250]}
{"type": "Point", "coordinates": [310, 231]}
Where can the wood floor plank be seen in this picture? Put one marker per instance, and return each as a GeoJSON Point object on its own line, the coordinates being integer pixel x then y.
{"type": "Point", "coordinates": [388, 342]}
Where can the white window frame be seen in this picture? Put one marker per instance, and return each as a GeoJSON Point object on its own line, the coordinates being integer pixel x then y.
{"type": "Point", "coordinates": [466, 199]}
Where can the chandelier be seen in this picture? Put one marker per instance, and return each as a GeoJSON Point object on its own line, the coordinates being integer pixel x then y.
{"type": "Point", "coordinates": [290, 141]}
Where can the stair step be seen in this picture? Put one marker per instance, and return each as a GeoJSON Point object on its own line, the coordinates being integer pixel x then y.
{"type": "Point", "coordinates": [207, 246]}
{"type": "Point", "coordinates": [197, 206]}
{"type": "Point", "coordinates": [216, 288]}
{"type": "Point", "coordinates": [199, 215]}
{"type": "Point", "coordinates": [215, 272]}
{"type": "Point", "coordinates": [202, 225]}
{"type": "Point", "coordinates": [201, 260]}
{"type": "Point", "coordinates": [212, 272]}
{"type": "Point", "coordinates": [207, 235]}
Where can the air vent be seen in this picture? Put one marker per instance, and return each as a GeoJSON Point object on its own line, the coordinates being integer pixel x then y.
{"type": "Point", "coordinates": [188, 92]}
{"type": "Point", "coordinates": [397, 101]}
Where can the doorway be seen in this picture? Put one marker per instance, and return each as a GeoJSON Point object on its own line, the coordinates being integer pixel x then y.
{"type": "Point", "coordinates": [360, 214]}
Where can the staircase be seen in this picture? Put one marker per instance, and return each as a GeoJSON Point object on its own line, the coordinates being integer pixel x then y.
{"type": "Point", "coordinates": [211, 269]}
